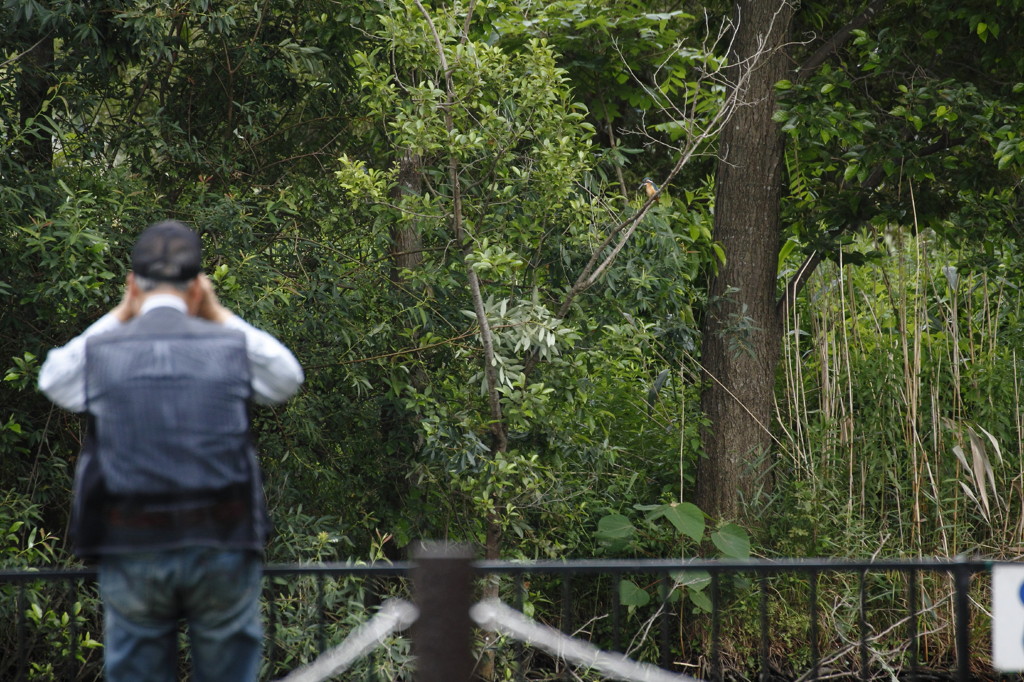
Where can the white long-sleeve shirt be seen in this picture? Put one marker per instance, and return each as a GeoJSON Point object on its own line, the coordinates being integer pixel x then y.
{"type": "Point", "coordinates": [276, 374]}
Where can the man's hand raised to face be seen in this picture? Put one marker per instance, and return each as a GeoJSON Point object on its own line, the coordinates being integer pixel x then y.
{"type": "Point", "coordinates": [203, 301]}
{"type": "Point", "coordinates": [130, 302]}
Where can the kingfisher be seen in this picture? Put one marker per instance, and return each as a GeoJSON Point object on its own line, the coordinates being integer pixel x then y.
{"type": "Point", "coordinates": [655, 192]}
{"type": "Point", "coordinates": [650, 187]}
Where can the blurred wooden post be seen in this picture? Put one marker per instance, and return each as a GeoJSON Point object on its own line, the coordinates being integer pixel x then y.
{"type": "Point", "coordinates": [442, 581]}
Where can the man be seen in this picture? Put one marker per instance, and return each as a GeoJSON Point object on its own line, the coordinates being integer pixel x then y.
{"type": "Point", "coordinates": [168, 495]}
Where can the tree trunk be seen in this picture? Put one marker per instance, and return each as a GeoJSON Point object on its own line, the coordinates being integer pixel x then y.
{"type": "Point", "coordinates": [36, 149]}
{"type": "Point", "coordinates": [741, 334]}
{"type": "Point", "coordinates": [398, 427]}
{"type": "Point", "coordinates": [401, 436]}
{"type": "Point", "coordinates": [406, 243]}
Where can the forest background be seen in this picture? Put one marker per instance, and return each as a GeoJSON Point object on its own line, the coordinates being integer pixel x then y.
{"type": "Point", "coordinates": [568, 279]}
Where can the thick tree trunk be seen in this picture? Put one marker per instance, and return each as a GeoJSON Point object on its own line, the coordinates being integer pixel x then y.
{"type": "Point", "coordinates": [400, 434]}
{"type": "Point", "coordinates": [741, 335]}
{"type": "Point", "coordinates": [406, 243]}
{"type": "Point", "coordinates": [399, 428]}
{"type": "Point", "coordinates": [36, 149]}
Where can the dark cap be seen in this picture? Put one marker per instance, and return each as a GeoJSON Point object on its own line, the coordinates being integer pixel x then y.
{"type": "Point", "coordinates": [168, 251]}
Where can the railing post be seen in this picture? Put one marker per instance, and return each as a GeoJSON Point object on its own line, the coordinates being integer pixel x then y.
{"type": "Point", "coordinates": [22, 627]}
{"type": "Point", "coordinates": [813, 630]}
{"type": "Point", "coordinates": [762, 583]}
{"type": "Point", "coordinates": [962, 604]}
{"type": "Point", "coordinates": [716, 631]}
{"type": "Point", "coordinates": [913, 645]}
{"type": "Point", "coordinates": [442, 578]}
{"type": "Point", "coordinates": [862, 624]}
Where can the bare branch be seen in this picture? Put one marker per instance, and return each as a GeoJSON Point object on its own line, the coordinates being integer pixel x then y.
{"type": "Point", "coordinates": [734, 77]}
{"type": "Point", "coordinates": [497, 425]}
{"type": "Point", "coordinates": [841, 36]}
{"type": "Point", "coordinates": [468, 22]}
{"type": "Point", "coordinates": [48, 36]}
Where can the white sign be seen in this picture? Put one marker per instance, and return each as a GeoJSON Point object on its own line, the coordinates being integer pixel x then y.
{"type": "Point", "coordinates": [1008, 617]}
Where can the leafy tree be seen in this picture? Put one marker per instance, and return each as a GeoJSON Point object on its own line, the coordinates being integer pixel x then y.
{"type": "Point", "coordinates": [516, 228]}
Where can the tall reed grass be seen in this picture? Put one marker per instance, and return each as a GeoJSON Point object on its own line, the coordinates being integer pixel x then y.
{"type": "Point", "coordinates": [900, 409]}
{"type": "Point", "coordinates": [901, 403]}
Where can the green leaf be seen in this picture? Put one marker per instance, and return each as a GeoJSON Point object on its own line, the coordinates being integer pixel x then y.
{"type": "Point", "coordinates": [615, 531]}
{"type": "Point", "coordinates": [687, 518]}
{"type": "Point", "coordinates": [787, 248]}
{"type": "Point", "coordinates": [693, 580]}
{"type": "Point", "coordinates": [700, 600]}
{"type": "Point", "coordinates": [663, 16]}
{"type": "Point", "coordinates": [732, 541]}
{"type": "Point", "coordinates": [631, 594]}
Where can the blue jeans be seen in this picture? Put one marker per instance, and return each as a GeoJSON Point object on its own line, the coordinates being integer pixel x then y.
{"type": "Point", "coordinates": [216, 592]}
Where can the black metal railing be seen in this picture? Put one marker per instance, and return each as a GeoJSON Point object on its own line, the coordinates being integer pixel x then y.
{"type": "Point", "coordinates": [959, 571]}
{"type": "Point", "coordinates": [308, 603]}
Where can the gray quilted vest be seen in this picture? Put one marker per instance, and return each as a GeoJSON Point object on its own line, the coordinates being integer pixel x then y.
{"type": "Point", "coordinates": [168, 461]}
{"type": "Point", "coordinates": [169, 396]}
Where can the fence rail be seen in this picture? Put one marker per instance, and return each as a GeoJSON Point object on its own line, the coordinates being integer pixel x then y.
{"type": "Point", "coordinates": [567, 579]}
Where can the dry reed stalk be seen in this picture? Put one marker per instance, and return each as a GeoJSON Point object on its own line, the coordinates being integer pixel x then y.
{"type": "Point", "coordinates": [793, 375]}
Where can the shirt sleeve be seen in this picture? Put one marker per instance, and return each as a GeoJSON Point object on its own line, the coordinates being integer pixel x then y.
{"type": "Point", "coordinates": [62, 376]}
{"type": "Point", "coordinates": [276, 374]}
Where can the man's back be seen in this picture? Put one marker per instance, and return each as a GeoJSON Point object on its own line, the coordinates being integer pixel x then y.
{"type": "Point", "coordinates": [168, 395]}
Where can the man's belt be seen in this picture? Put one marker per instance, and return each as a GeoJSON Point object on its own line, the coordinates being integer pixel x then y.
{"type": "Point", "coordinates": [216, 513]}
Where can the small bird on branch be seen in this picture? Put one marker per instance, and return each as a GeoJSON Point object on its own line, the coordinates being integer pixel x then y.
{"type": "Point", "coordinates": [651, 188]}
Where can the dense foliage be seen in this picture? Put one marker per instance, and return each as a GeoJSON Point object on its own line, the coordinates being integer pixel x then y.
{"type": "Point", "coordinates": [443, 213]}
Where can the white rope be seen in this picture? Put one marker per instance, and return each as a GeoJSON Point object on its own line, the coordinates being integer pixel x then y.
{"type": "Point", "coordinates": [494, 615]}
{"type": "Point", "coordinates": [394, 615]}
